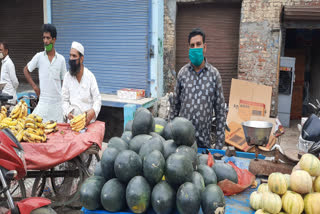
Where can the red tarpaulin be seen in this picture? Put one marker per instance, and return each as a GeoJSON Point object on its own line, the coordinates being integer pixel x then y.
{"type": "Point", "coordinates": [62, 146]}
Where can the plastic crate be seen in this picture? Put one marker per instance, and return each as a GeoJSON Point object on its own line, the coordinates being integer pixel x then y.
{"type": "Point", "coordinates": [27, 94]}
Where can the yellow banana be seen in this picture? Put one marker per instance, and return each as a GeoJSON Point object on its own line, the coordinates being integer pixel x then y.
{"type": "Point", "coordinates": [3, 125]}
{"type": "Point", "coordinates": [20, 135]}
{"type": "Point", "coordinates": [38, 119]}
{"type": "Point", "coordinates": [79, 125]}
{"type": "Point", "coordinates": [30, 120]}
{"type": "Point", "coordinates": [78, 118]}
{"type": "Point", "coordinates": [44, 138]}
{"type": "Point", "coordinates": [30, 125]}
{"type": "Point", "coordinates": [33, 136]}
{"type": "Point", "coordinates": [48, 131]}
{"type": "Point", "coordinates": [4, 109]}
{"type": "Point", "coordinates": [33, 131]}
{"type": "Point", "coordinates": [31, 116]}
{"type": "Point", "coordinates": [14, 132]}
{"type": "Point", "coordinates": [40, 125]}
{"type": "Point", "coordinates": [50, 125]}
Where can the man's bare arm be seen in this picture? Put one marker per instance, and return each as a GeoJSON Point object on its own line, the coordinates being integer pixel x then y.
{"type": "Point", "coordinates": [30, 81]}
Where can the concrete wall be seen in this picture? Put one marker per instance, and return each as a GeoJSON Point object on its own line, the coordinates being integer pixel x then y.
{"type": "Point", "coordinates": [259, 43]}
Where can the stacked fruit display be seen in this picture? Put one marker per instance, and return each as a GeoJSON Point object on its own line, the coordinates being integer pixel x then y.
{"type": "Point", "coordinates": [78, 122]}
{"type": "Point", "coordinates": [293, 193]}
{"type": "Point", "coordinates": [154, 165]}
{"type": "Point", "coordinates": [28, 128]}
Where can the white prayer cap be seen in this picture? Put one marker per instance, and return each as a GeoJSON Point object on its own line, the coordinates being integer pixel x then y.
{"type": "Point", "coordinates": [78, 47]}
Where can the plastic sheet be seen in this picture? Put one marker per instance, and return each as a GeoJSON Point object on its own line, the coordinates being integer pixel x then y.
{"type": "Point", "coordinates": [62, 146]}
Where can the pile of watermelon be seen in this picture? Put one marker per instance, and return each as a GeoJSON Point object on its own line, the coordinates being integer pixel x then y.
{"type": "Point", "coordinates": [155, 165]}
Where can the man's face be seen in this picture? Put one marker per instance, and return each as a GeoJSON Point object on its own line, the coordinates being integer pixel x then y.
{"type": "Point", "coordinates": [47, 39]}
{"type": "Point", "coordinates": [197, 42]}
{"type": "Point", "coordinates": [3, 50]}
{"type": "Point", "coordinates": [74, 54]}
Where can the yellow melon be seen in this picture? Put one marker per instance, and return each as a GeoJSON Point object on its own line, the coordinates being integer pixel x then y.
{"type": "Point", "coordinates": [312, 203]}
{"type": "Point", "coordinates": [300, 182]}
{"type": "Point", "coordinates": [271, 202]}
{"type": "Point", "coordinates": [263, 188]}
{"type": "Point", "coordinates": [277, 183]}
{"type": "Point", "coordinates": [292, 203]}
{"type": "Point", "coordinates": [316, 184]}
{"type": "Point", "coordinates": [260, 211]}
{"type": "Point", "coordinates": [311, 164]}
{"type": "Point", "coordinates": [256, 200]}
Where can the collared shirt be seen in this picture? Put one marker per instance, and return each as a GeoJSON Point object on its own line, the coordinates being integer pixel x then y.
{"type": "Point", "coordinates": [50, 76]}
{"type": "Point", "coordinates": [8, 75]}
{"type": "Point", "coordinates": [81, 97]}
{"type": "Point", "coordinates": [197, 97]}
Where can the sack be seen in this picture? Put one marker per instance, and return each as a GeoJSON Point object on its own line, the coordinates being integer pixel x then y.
{"type": "Point", "coordinates": [311, 129]}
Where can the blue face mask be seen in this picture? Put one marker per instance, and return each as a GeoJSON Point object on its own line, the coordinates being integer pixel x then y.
{"type": "Point", "coordinates": [196, 56]}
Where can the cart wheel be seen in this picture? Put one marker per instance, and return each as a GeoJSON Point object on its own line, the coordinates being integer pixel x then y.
{"type": "Point", "coordinates": [67, 184]}
{"type": "Point", "coordinates": [17, 191]}
{"type": "Point", "coordinates": [89, 164]}
{"type": "Point", "coordinates": [38, 185]}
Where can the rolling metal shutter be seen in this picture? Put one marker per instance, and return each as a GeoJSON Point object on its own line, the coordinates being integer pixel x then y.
{"type": "Point", "coordinates": [220, 22]}
{"type": "Point", "coordinates": [20, 26]}
{"type": "Point", "coordinates": [115, 35]}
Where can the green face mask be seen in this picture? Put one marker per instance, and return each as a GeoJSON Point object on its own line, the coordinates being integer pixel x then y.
{"type": "Point", "coordinates": [196, 56]}
{"type": "Point", "coordinates": [48, 47]}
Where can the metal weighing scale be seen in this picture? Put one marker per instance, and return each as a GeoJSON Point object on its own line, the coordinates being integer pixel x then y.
{"type": "Point", "coordinates": [257, 134]}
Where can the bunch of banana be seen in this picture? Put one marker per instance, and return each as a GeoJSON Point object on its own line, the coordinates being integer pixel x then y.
{"type": "Point", "coordinates": [78, 122]}
{"type": "Point", "coordinates": [8, 122]}
{"type": "Point", "coordinates": [50, 126]}
{"type": "Point", "coordinates": [20, 110]}
{"type": "Point", "coordinates": [33, 129]}
{"type": "Point", "coordinates": [3, 113]}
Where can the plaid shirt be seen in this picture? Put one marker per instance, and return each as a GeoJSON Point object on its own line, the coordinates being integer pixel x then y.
{"type": "Point", "coordinates": [197, 96]}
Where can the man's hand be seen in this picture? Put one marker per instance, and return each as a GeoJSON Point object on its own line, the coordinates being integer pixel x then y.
{"type": "Point", "coordinates": [37, 90]}
{"type": "Point", "coordinates": [70, 116]}
{"type": "Point", "coordinates": [90, 115]}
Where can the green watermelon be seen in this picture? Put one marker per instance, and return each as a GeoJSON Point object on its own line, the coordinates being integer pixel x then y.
{"type": "Point", "coordinates": [90, 192]}
{"type": "Point", "coordinates": [154, 134]}
{"type": "Point", "coordinates": [118, 143]}
{"type": "Point", "coordinates": [128, 126]}
{"type": "Point", "coordinates": [225, 171]}
{"type": "Point", "coordinates": [188, 199]}
{"type": "Point", "coordinates": [198, 181]}
{"type": "Point", "coordinates": [167, 132]}
{"type": "Point", "coordinates": [152, 144]}
{"type": "Point", "coordinates": [142, 122]}
{"type": "Point", "coordinates": [98, 170]}
{"type": "Point", "coordinates": [178, 170]}
{"type": "Point", "coordinates": [183, 132]}
{"type": "Point", "coordinates": [163, 198]}
{"type": "Point", "coordinates": [203, 159]}
{"type": "Point", "coordinates": [189, 153]}
{"type": "Point", "coordinates": [107, 162]}
{"type": "Point", "coordinates": [208, 174]}
{"type": "Point", "coordinates": [160, 123]}
{"type": "Point", "coordinates": [138, 194]}
{"type": "Point", "coordinates": [169, 147]}
{"type": "Point", "coordinates": [137, 141]}
{"type": "Point", "coordinates": [153, 167]}
{"type": "Point", "coordinates": [113, 195]}
{"type": "Point", "coordinates": [127, 165]}
{"type": "Point", "coordinates": [126, 136]}
{"type": "Point", "coordinates": [212, 200]}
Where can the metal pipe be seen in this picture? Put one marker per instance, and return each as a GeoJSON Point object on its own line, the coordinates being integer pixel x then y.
{"type": "Point", "coordinates": [7, 192]}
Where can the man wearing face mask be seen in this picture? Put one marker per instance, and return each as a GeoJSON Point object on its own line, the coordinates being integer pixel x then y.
{"type": "Point", "coordinates": [198, 94]}
{"type": "Point", "coordinates": [8, 73]}
{"type": "Point", "coordinates": [80, 89]}
{"type": "Point", "coordinates": [52, 68]}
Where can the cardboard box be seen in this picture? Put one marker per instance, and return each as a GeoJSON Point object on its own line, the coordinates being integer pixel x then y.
{"type": "Point", "coordinates": [131, 94]}
{"type": "Point", "coordinates": [247, 101]}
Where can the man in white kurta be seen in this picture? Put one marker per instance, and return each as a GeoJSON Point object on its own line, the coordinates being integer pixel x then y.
{"type": "Point", "coordinates": [80, 89]}
{"type": "Point", "coordinates": [8, 73]}
{"type": "Point", "coordinates": [52, 68]}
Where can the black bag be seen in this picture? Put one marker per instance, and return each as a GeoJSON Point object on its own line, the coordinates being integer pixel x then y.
{"type": "Point", "coordinates": [315, 149]}
{"type": "Point", "coordinates": [311, 129]}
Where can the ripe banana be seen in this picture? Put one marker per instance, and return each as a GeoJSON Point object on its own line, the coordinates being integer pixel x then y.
{"type": "Point", "coordinates": [4, 109]}
{"type": "Point", "coordinates": [30, 125]}
{"type": "Point", "coordinates": [78, 118]}
{"type": "Point", "coordinates": [48, 131]}
{"type": "Point", "coordinates": [33, 131]}
{"type": "Point", "coordinates": [39, 125]}
{"type": "Point", "coordinates": [30, 120]}
{"type": "Point", "coordinates": [20, 134]}
{"type": "Point", "coordinates": [50, 125]}
{"type": "Point", "coordinates": [33, 137]}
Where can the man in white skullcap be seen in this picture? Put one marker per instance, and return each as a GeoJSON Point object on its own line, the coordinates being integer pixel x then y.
{"type": "Point", "coordinates": [80, 90]}
{"type": "Point", "coordinates": [52, 68]}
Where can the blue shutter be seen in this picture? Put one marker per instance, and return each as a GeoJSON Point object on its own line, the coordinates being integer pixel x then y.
{"type": "Point", "coordinates": [115, 37]}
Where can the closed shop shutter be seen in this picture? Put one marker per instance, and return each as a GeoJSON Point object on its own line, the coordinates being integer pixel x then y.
{"type": "Point", "coordinates": [20, 26]}
{"type": "Point", "coordinates": [115, 37]}
{"type": "Point", "coordinates": [220, 22]}
{"type": "Point", "coordinates": [301, 13]}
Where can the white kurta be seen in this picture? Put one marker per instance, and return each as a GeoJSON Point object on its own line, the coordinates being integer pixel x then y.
{"type": "Point", "coordinates": [81, 97]}
{"type": "Point", "coordinates": [50, 77]}
{"type": "Point", "coordinates": [8, 75]}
